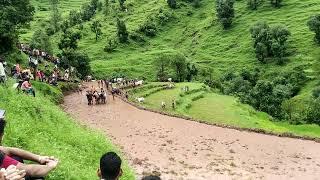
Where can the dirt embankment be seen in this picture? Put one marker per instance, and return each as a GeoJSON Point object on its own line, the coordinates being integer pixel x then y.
{"type": "Point", "coordinates": [180, 149]}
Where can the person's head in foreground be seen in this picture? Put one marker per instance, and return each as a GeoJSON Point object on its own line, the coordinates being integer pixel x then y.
{"type": "Point", "coordinates": [151, 178]}
{"type": "Point", "coordinates": [110, 167]}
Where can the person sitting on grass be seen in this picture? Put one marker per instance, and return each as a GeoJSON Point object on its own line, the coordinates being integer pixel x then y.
{"type": "Point", "coordinates": [3, 76]}
{"type": "Point", "coordinates": [27, 87]}
{"type": "Point", "coordinates": [110, 167]}
{"type": "Point", "coordinates": [15, 157]}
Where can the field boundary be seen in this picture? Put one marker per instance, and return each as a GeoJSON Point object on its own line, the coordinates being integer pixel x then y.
{"type": "Point", "coordinates": [252, 130]}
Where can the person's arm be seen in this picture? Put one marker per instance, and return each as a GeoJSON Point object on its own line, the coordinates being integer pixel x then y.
{"type": "Point", "coordinates": [36, 170]}
{"type": "Point", "coordinates": [26, 155]}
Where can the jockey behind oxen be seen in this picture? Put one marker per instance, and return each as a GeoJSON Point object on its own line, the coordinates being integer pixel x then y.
{"type": "Point", "coordinates": [115, 91]}
{"type": "Point", "coordinates": [103, 96]}
{"type": "Point", "coordinates": [89, 98]}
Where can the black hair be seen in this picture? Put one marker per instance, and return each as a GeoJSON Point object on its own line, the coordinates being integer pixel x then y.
{"type": "Point", "coordinates": [110, 166]}
{"type": "Point", "coordinates": [2, 126]}
{"type": "Point", "coordinates": [151, 178]}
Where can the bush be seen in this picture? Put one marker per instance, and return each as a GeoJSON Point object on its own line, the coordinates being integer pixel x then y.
{"type": "Point", "coordinates": [149, 28]}
{"type": "Point", "coordinates": [172, 4]}
{"type": "Point", "coordinates": [225, 12]}
{"type": "Point", "coordinates": [122, 31]}
{"type": "Point", "coordinates": [164, 16]}
{"type": "Point", "coordinates": [253, 4]}
{"type": "Point", "coordinates": [276, 3]}
{"type": "Point", "coordinates": [314, 25]}
{"type": "Point", "coordinates": [111, 46]}
{"type": "Point", "coordinates": [316, 93]}
{"type": "Point", "coordinates": [137, 37]}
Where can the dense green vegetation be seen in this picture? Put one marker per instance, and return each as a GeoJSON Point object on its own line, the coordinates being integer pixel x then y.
{"type": "Point", "coordinates": [54, 133]}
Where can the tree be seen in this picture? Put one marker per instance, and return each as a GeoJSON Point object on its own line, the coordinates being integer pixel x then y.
{"type": "Point", "coordinates": [69, 40]}
{"type": "Point", "coordinates": [162, 65]}
{"type": "Point", "coordinates": [179, 64]}
{"type": "Point", "coordinates": [13, 14]}
{"type": "Point", "coordinates": [122, 31]}
{"type": "Point", "coordinates": [55, 15]}
{"type": "Point", "coordinates": [314, 25]}
{"type": "Point", "coordinates": [316, 93]}
{"type": "Point", "coordinates": [74, 18]}
{"type": "Point", "coordinates": [40, 40]}
{"type": "Point", "coordinates": [253, 4]}
{"type": "Point", "coordinates": [280, 35]}
{"type": "Point", "coordinates": [196, 3]}
{"type": "Point", "coordinates": [172, 4]}
{"type": "Point", "coordinates": [80, 61]}
{"type": "Point", "coordinates": [225, 12]}
{"type": "Point", "coordinates": [65, 25]}
{"type": "Point", "coordinates": [106, 7]}
{"type": "Point", "coordinates": [276, 3]}
{"type": "Point", "coordinates": [121, 3]}
{"type": "Point", "coordinates": [192, 71]}
{"type": "Point", "coordinates": [270, 42]}
{"type": "Point", "coordinates": [260, 32]}
{"type": "Point", "coordinates": [96, 28]}
{"type": "Point", "coordinates": [89, 10]}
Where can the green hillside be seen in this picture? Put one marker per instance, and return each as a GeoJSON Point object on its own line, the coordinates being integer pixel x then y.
{"type": "Point", "coordinates": [224, 58]}
{"type": "Point", "coordinates": [195, 32]}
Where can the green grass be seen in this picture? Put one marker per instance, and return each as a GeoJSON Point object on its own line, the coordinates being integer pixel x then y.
{"type": "Point", "coordinates": [38, 125]}
{"type": "Point", "coordinates": [220, 109]}
{"type": "Point", "coordinates": [198, 35]}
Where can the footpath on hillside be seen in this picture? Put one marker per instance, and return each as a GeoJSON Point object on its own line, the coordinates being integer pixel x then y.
{"type": "Point", "coordinates": [181, 149]}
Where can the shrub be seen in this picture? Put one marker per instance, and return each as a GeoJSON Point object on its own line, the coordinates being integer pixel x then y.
{"type": "Point", "coordinates": [276, 3]}
{"type": "Point", "coordinates": [137, 37]}
{"type": "Point", "coordinates": [316, 93]}
{"type": "Point", "coordinates": [149, 28]}
{"type": "Point", "coordinates": [172, 4]}
{"type": "Point", "coordinates": [225, 12]}
{"type": "Point", "coordinates": [164, 16]}
{"type": "Point", "coordinates": [122, 31]}
{"type": "Point", "coordinates": [111, 46]}
{"type": "Point", "coordinates": [314, 25]}
{"type": "Point", "coordinates": [253, 4]}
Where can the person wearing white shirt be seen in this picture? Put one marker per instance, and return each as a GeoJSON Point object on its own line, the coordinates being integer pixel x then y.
{"type": "Point", "coordinates": [3, 76]}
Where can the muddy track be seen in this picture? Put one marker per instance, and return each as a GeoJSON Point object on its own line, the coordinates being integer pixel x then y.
{"type": "Point", "coordinates": [180, 149]}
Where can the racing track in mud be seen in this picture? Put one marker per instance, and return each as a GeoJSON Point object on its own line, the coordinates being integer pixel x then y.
{"type": "Point", "coordinates": [181, 149]}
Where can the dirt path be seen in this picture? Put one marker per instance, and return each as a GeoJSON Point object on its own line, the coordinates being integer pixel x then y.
{"type": "Point", "coordinates": [180, 149]}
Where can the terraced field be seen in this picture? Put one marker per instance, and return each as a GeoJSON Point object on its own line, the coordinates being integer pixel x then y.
{"type": "Point", "coordinates": [207, 106]}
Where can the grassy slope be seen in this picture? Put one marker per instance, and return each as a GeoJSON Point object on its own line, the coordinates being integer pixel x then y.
{"type": "Point", "coordinates": [38, 125]}
{"type": "Point", "coordinates": [220, 109]}
{"type": "Point", "coordinates": [199, 36]}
